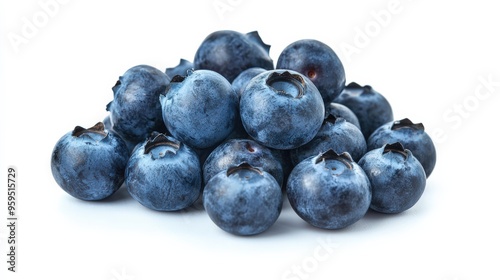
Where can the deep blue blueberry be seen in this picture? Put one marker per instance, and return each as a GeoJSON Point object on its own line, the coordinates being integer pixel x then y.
{"type": "Point", "coordinates": [106, 122]}
{"type": "Point", "coordinates": [283, 156]}
{"type": "Point", "coordinates": [229, 53]}
{"type": "Point", "coordinates": [200, 109]}
{"type": "Point", "coordinates": [89, 164]}
{"type": "Point", "coordinates": [241, 81]}
{"type": "Point", "coordinates": [412, 136]}
{"type": "Point", "coordinates": [135, 110]}
{"type": "Point", "coordinates": [371, 107]}
{"type": "Point", "coordinates": [329, 191]}
{"type": "Point", "coordinates": [164, 174]}
{"type": "Point", "coordinates": [239, 131]}
{"type": "Point", "coordinates": [396, 176]}
{"type": "Point", "coordinates": [239, 84]}
{"type": "Point", "coordinates": [236, 151]}
{"type": "Point", "coordinates": [318, 62]}
{"type": "Point", "coordinates": [281, 109]}
{"type": "Point", "coordinates": [335, 134]}
{"type": "Point", "coordinates": [243, 200]}
{"type": "Point", "coordinates": [109, 127]}
{"type": "Point", "coordinates": [341, 111]}
{"type": "Point", "coordinates": [179, 70]}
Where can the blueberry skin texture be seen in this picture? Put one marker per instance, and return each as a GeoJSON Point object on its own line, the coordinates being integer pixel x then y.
{"type": "Point", "coordinates": [236, 151]}
{"type": "Point", "coordinates": [241, 81]}
{"type": "Point", "coordinates": [181, 69]}
{"type": "Point", "coordinates": [336, 134]}
{"type": "Point", "coordinates": [109, 127]}
{"type": "Point", "coordinates": [283, 156]}
{"type": "Point", "coordinates": [89, 164]}
{"type": "Point", "coordinates": [412, 136]}
{"type": "Point", "coordinates": [281, 109]}
{"type": "Point", "coordinates": [135, 110]}
{"type": "Point", "coordinates": [166, 177]}
{"type": "Point", "coordinates": [200, 109]}
{"type": "Point", "coordinates": [239, 84]}
{"type": "Point", "coordinates": [318, 62]}
{"type": "Point", "coordinates": [396, 176]}
{"type": "Point", "coordinates": [329, 191]}
{"type": "Point", "coordinates": [371, 107]}
{"type": "Point", "coordinates": [341, 111]}
{"type": "Point", "coordinates": [229, 52]}
{"type": "Point", "coordinates": [243, 201]}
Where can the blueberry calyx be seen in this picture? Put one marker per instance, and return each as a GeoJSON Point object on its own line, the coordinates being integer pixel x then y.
{"type": "Point", "coordinates": [311, 74]}
{"type": "Point", "coordinates": [406, 123]}
{"type": "Point", "coordinates": [117, 85]}
{"type": "Point", "coordinates": [345, 158]}
{"type": "Point", "coordinates": [98, 128]}
{"type": "Point", "coordinates": [254, 35]}
{"type": "Point", "coordinates": [178, 79]}
{"type": "Point", "coordinates": [108, 106]}
{"type": "Point", "coordinates": [160, 139]}
{"type": "Point", "coordinates": [189, 72]}
{"type": "Point", "coordinates": [181, 69]}
{"type": "Point", "coordinates": [366, 89]}
{"type": "Point", "coordinates": [353, 85]}
{"type": "Point", "coordinates": [242, 166]}
{"type": "Point", "coordinates": [332, 119]}
{"type": "Point", "coordinates": [395, 148]}
{"type": "Point", "coordinates": [175, 80]}
{"type": "Point", "coordinates": [249, 147]}
{"type": "Point", "coordinates": [287, 84]}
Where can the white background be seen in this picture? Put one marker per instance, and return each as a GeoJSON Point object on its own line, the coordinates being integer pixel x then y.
{"type": "Point", "coordinates": [430, 60]}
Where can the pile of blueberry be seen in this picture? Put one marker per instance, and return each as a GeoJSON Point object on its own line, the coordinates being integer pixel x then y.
{"type": "Point", "coordinates": [241, 134]}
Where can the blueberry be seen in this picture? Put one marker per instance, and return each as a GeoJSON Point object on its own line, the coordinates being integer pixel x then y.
{"type": "Point", "coordinates": [89, 164]}
{"type": "Point", "coordinates": [241, 81]}
{"type": "Point", "coordinates": [230, 52]}
{"type": "Point", "coordinates": [106, 122]}
{"type": "Point", "coordinates": [283, 156]}
{"type": "Point", "coordinates": [281, 109]}
{"type": "Point", "coordinates": [200, 109]}
{"type": "Point", "coordinates": [243, 200]}
{"type": "Point", "coordinates": [109, 127]}
{"type": "Point", "coordinates": [412, 136]}
{"type": "Point", "coordinates": [336, 134]}
{"type": "Point", "coordinates": [396, 176]}
{"type": "Point", "coordinates": [236, 151]}
{"type": "Point", "coordinates": [239, 84]}
{"type": "Point", "coordinates": [239, 131]}
{"type": "Point", "coordinates": [164, 174]}
{"type": "Point", "coordinates": [318, 62]}
{"type": "Point", "coordinates": [135, 110]}
{"type": "Point", "coordinates": [371, 107]}
{"type": "Point", "coordinates": [179, 70]}
{"type": "Point", "coordinates": [340, 111]}
{"type": "Point", "coordinates": [329, 191]}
